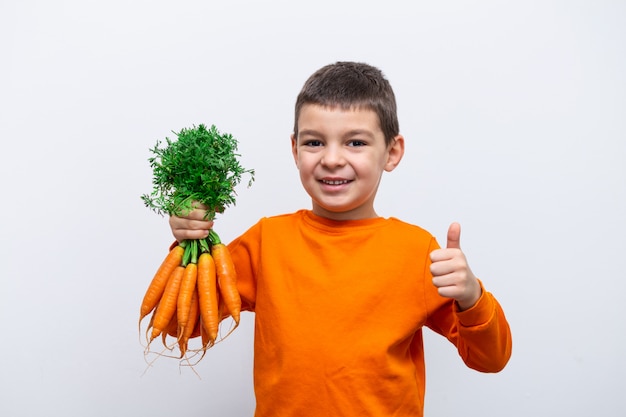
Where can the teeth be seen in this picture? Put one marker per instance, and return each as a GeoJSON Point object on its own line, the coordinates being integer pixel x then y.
{"type": "Point", "coordinates": [335, 182]}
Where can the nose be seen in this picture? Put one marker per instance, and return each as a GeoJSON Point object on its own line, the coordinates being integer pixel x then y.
{"type": "Point", "coordinates": [333, 156]}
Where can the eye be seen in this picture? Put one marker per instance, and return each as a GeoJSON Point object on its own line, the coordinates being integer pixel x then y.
{"type": "Point", "coordinates": [312, 143]}
{"type": "Point", "coordinates": [356, 142]}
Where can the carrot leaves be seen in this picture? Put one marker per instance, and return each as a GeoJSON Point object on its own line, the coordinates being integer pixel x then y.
{"type": "Point", "coordinates": [202, 166]}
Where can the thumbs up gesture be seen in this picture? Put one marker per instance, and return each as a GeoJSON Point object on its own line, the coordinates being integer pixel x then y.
{"type": "Point", "coordinates": [451, 273]}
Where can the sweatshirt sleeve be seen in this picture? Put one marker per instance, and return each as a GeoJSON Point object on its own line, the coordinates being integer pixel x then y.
{"type": "Point", "coordinates": [481, 333]}
{"type": "Point", "coordinates": [245, 252]}
{"type": "Point", "coordinates": [484, 337]}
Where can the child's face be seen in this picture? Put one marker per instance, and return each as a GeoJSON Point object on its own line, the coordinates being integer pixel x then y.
{"type": "Point", "coordinates": [341, 155]}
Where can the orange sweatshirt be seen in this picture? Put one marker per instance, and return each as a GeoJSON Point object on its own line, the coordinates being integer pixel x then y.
{"type": "Point", "coordinates": [339, 310]}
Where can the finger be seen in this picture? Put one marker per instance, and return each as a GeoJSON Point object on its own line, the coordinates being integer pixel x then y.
{"type": "Point", "coordinates": [197, 214]}
{"type": "Point", "coordinates": [454, 236]}
{"type": "Point", "coordinates": [189, 223]}
{"type": "Point", "coordinates": [441, 255]}
{"type": "Point", "coordinates": [185, 228]}
{"type": "Point", "coordinates": [188, 234]}
{"type": "Point", "coordinates": [441, 267]}
{"type": "Point", "coordinates": [443, 280]}
{"type": "Point", "coordinates": [447, 261]}
{"type": "Point", "coordinates": [200, 224]}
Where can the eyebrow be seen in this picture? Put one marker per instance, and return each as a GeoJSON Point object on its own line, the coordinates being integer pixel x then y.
{"type": "Point", "coordinates": [354, 132]}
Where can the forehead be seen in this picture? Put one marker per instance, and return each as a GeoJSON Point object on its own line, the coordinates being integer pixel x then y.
{"type": "Point", "coordinates": [336, 119]}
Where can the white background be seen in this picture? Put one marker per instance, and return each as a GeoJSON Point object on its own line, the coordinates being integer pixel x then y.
{"type": "Point", "coordinates": [514, 115]}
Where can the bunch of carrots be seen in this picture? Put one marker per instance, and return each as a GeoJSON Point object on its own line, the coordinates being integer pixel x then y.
{"type": "Point", "coordinates": [193, 290]}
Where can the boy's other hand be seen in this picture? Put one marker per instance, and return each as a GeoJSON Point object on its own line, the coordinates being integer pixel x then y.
{"type": "Point", "coordinates": [451, 273]}
{"type": "Point", "coordinates": [191, 226]}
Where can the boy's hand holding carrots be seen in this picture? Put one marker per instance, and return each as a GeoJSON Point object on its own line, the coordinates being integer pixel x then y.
{"type": "Point", "coordinates": [451, 272]}
{"type": "Point", "coordinates": [192, 226]}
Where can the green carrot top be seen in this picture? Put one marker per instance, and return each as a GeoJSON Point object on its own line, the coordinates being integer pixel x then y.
{"type": "Point", "coordinates": [200, 166]}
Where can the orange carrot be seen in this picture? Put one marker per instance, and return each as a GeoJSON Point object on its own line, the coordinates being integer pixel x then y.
{"type": "Point", "coordinates": [207, 296]}
{"type": "Point", "coordinates": [196, 330]}
{"type": "Point", "coordinates": [159, 281]}
{"type": "Point", "coordinates": [167, 306]}
{"type": "Point", "coordinates": [187, 332]}
{"type": "Point", "coordinates": [227, 279]}
{"type": "Point", "coordinates": [171, 330]}
{"type": "Point", "coordinates": [206, 339]}
{"type": "Point", "coordinates": [149, 328]}
{"type": "Point", "coordinates": [187, 287]}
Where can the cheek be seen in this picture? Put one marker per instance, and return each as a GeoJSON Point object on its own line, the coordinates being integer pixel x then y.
{"type": "Point", "coordinates": [303, 160]}
{"type": "Point", "coordinates": [369, 167]}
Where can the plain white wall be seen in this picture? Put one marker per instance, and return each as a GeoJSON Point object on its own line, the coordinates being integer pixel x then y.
{"type": "Point", "coordinates": [514, 114]}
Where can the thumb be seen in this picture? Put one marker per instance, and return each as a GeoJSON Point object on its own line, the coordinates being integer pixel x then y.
{"type": "Point", "coordinates": [454, 236]}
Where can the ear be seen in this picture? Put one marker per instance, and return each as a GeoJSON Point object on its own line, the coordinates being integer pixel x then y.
{"type": "Point", "coordinates": [294, 148]}
{"type": "Point", "coordinates": [395, 153]}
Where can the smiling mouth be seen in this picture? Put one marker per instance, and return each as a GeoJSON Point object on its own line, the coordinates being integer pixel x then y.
{"type": "Point", "coordinates": [335, 182]}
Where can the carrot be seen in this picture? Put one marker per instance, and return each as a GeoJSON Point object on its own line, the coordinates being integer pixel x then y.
{"type": "Point", "coordinates": [170, 330]}
{"type": "Point", "coordinates": [167, 306]}
{"type": "Point", "coordinates": [187, 332]}
{"type": "Point", "coordinates": [159, 281]}
{"type": "Point", "coordinates": [226, 276]}
{"type": "Point", "coordinates": [149, 329]}
{"type": "Point", "coordinates": [187, 287]}
{"type": "Point", "coordinates": [196, 330]}
{"type": "Point", "coordinates": [208, 297]}
{"type": "Point", "coordinates": [206, 339]}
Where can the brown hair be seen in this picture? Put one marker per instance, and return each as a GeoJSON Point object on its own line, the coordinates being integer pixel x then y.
{"type": "Point", "coordinates": [351, 85]}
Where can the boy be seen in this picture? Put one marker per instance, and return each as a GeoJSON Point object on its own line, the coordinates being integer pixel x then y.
{"type": "Point", "coordinates": [340, 294]}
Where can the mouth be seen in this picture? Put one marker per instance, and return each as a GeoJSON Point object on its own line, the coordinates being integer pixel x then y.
{"type": "Point", "coordinates": [334, 182]}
